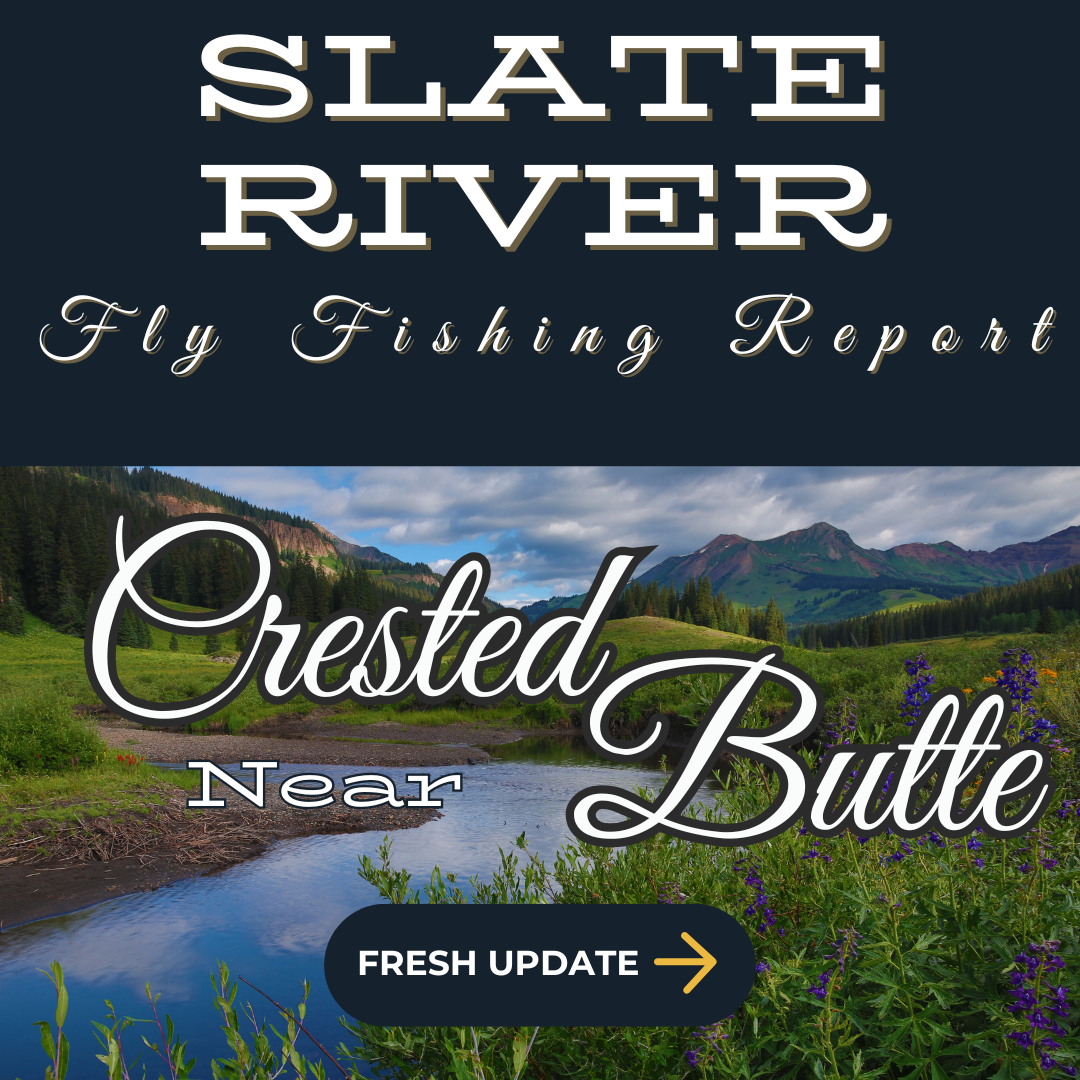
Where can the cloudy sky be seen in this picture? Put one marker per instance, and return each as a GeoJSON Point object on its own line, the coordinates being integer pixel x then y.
{"type": "Point", "coordinates": [545, 530]}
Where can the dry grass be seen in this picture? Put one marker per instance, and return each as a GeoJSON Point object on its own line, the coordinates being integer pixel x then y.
{"type": "Point", "coordinates": [170, 831]}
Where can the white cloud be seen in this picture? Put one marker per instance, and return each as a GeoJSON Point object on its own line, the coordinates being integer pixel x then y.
{"type": "Point", "coordinates": [545, 530]}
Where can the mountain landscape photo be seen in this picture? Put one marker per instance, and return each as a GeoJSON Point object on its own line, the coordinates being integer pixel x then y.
{"type": "Point", "coordinates": [118, 882]}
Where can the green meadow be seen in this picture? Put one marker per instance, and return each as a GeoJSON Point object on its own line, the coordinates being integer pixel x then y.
{"type": "Point", "coordinates": [45, 667]}
{"type": "Point", "coordinates": [42, 659]}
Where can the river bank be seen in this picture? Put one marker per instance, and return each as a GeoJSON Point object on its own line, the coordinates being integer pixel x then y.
{"type": "Point", "coordinates": [98, 858]}
{"type": "Point", "coordinates": [309, 742]}
{"type": "Point", "coordinates": [101, 858]}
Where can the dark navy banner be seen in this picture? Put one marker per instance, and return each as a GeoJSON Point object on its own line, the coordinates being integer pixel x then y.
{"type": "Point", "coordinates": [551, 965]}
{"type": "Point", "coordinates": [413, 230]}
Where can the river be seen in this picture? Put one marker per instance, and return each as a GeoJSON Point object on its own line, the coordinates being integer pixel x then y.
{"type": "Point", "coordinates": [269, 918]}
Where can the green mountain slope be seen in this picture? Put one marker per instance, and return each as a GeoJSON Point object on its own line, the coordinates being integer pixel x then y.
{"type": "Point", "coordinates": [820, 574]}
{"type": "Point", "coordinates": [54, 548]}
{"type": "Point", "coordinates": [542, 607]}
{"type": "Point", "coordinates": [293, 535]}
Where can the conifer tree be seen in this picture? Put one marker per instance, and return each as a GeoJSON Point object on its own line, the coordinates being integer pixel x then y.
{"type": "Point", "coordinates": [11, 615]}
{"type": "Point", "coordinates": [323, 598]}
{"type": "Point", "coordinates": [690, 597]}
{"type": "Point", "coordinates": [174, 643]}
{"type": "Point", "coordinates": [212, 644]}
{"type": "Point", "coordinates": [703, 601]}
{"type": "Point", "coordinates": [773, 626]}
{"type": "Point", "coordinates": [128, 633]}
{"type": "Point", "coordinates": [70, 613]}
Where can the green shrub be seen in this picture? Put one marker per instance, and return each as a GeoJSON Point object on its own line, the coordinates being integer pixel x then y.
{"type": "Point", "coordinates": [39, 733]}
{"type": "Point", "coordinates": [543, 713]}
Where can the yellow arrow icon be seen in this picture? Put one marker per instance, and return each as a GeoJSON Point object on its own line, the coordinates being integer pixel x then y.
{"type": "Point", "coordinates": [707, 962]}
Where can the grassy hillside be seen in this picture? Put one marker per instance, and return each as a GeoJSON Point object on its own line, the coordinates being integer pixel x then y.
{"type": "Point", "coordinates": [874, 678]}
{"type": "Point", "coordinates": [42, 656]}
{"type": "Point", "coordinates": [44, 659]}
{"type": "Point", "coordinates": [49, 666]}
{"type": "Point", "coordinates": [1047, 603]}
{"type": "Point", "coordinates": [799, 604]}
{"type": "Point", "coordinates": [647, 635]}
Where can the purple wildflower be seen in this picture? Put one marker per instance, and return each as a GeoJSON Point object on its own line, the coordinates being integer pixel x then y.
{"type": "Point", "coordinates": [1043, 856]}
{"type": "Point", "coordinates": [898, 856]}
{"type": "Point", "coordinates": [762, 966]}
{"type": "Point", "coordinates": [1018, 678]}
{"type": "Point", "coordinates": [916, 694]}
{"type": "Point", "coordinates": [842, 725]}
{"type": "Point", "coordinates": [759, 906]}
{"type": "Point", "coordinates": [813, 853]}
{"type": "Point", "coordinates": [1069, 806]}
{"type": "Point", "coordinates": [711, 1036]}
{"type": "Point", "coordinates": [670, 893]}
{"type": "Point", "coordinates": [971, 844]}
{"type": "Point", "coordinates": [1035, 1000]}
{"type": "Point", "coordinates": [711, 1033]}
{"type": "Point", "coordinates": [884, 900]}
{"type": "Point", "coordinates": [843, 950]}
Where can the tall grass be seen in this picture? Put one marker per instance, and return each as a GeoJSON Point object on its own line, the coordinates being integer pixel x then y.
{"type": "Point", "coordinates": [884, 958]}
{"type": "Point", "coordinates": [40, 734]}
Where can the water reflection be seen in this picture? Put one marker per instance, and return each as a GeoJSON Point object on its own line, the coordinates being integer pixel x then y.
{"type": "Point", "coordinates": [270, 918]}
{"type": "Point", "coordinates": [572, 749]}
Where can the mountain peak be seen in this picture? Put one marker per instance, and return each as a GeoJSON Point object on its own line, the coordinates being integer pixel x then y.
{"type": "Point", "coordinates": [801, 566]}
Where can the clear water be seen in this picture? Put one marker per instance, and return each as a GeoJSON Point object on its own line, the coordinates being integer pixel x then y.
{"type": "Point", "coordinates": [270, 917]}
